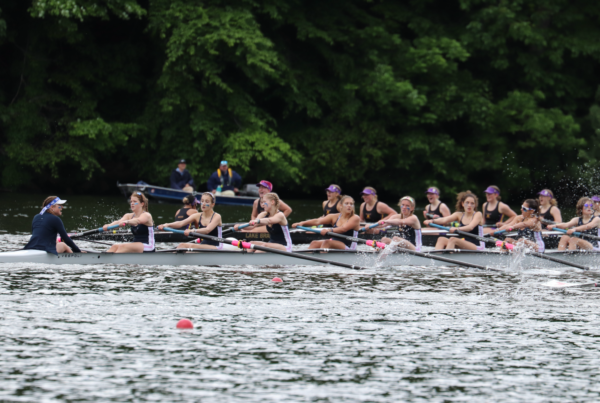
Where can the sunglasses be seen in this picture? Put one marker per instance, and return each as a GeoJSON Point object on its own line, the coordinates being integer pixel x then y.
{"type": "Point", "coordinates": [526, 208]}
{"type": "Point", "coordinates": [586, 205]}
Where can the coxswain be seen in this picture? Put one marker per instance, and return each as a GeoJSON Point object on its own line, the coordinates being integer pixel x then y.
{"type": "Point", "coordinates": [141, 224]}
{"type": "Point", "coordinates": [528, 226]}
{"type": "Point", "coordinates": [408, 235]}
{"type": "Point", "coordinates": [47, 225]}
{"type": "Point", "coordinates": [548, 206]}
{"type": "Point", "coordinates": [469, 220]}
{"type": "Point", "coordinates": [435, 208]}
{"type": "Point", "coordinates": [265, 187]}
{"type": "Point", "coordinates": [276, 223]}
{"type": "Point", "coordinates": [345, 222]}
{"type": "Point", "coordinates": [225, 179]}
{"type": "Point", "coordinates": [332, 204]}
{"type": "Point", "coordinates": [372, 210]}
{"type": "Point", "coordinates": [494, 211]}
{"type": "Point", "coordinates": [189, 208]}
{"type": "Point", "coordinates": [181, 178]}
{"type": "Point", "coordinates": [596, 200]}
{"type": "Point", "coordinates": [585, 222]}
{"type": "Point", "coordinates": [207, 221]}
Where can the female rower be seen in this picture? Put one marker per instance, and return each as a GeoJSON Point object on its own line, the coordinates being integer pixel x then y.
{"type": "Point", "coordinates": [409, 226]}
{"type": "Point", "coordinates": [208, 222]}
{"type": "Point", "coordinates": [265, 187]}
{"type": "Point", "coordinates": [584, 222]}
{"type": "Point", "coordinates": [332, 204]}
{"type": "Point", "coordinates": [141, 225]}
{"type": "Point", "coordinates": [548, 206]}
{"type": "Point", "coordinates": [596, 200]}
{"type": "Point", "coordinates": [494, 210]}
{"type": "Point", "coordinates": [45, 228]}
{"type": "Point", "coordinates": [345, 222]}
{"type": "Point", "coordinates": [528, 225]}
{"type": "Point", "coordinates": [189, 208]}
{"type": "Point", "coordinates": [468, 217]}
{"type": "Point", "coordinates": [372, 210]}
{"type": "Point", "coordinates": [276, 223]}
{"type": "Point", "coordinates": [435, 207]}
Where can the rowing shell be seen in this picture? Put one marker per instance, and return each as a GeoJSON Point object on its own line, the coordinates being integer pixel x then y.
{"type": "Point", "coordinates": [215, 257]}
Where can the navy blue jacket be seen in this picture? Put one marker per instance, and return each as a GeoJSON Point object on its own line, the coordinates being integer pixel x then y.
{"type": "Point", "coordinates": [214, 181]}
{"type": "Point", "coordinates": [43, 234]}
{"type": "Point", "coordinates": [178, 180]}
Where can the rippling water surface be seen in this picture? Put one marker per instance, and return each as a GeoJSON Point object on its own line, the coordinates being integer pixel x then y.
{"type": "Point", "coordinates": [107, 333]}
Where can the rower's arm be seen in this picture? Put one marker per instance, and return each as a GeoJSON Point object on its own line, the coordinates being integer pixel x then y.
{"type": "Point", "coordinates": [555, 211]}
{"type": "Point", "coordinates": [145, 219]}
{"type": "Point", "coordinates": [592, 224]}
{"type": "Point", "coordinates": [386, 211]}
{"type": "Point", "coordinates": [60, 228]}
{"type": "Point", "coordinates": [444, 220]}
{"type": "Point", "coordinates": [214, 223]}
{"type": "Point", "coordinates": [179, 224]}
{"type": "Point", "coordinates": [284, 208]}
{"type": "Point", "coordinates": [351, 224]}
{"type": "Point", "coordinates": [565, 225]}
{"type": "Point", "coordinates": [254, 210]}
{"type": "Point", "coordinates": [121, 220]}
{"type": "Point", "coordinates": [316, 221]}
{"type": "Point", "coordinates": [476, 221]}
{"type": "Point", "coordinates": [278, 218]}
{"type": "Point", "coordinates": [506, 211]}
{"type": "Point", "coordinates": [445, 210]}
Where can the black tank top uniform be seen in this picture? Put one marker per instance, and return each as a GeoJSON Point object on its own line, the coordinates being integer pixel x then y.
{"type": "Point", "coordinates": [492, 217]}
{"type": "Point", "coordinates": [478, 230]}
{"type": "Point", "coordinates": [216, 232]}
{"type": "Point", "coordinates": [534, 236]}
{"type": "Point", "coordinates": [259, 207]}
{"type": "Point", "coordinates": [436, 211]}
{"type": "Point", "coordinates": [280, 234]}
{"type": "Point", "coordinates": [592, 231]}
{"type": "Point", "coordinates": [371, 215]}
{"type": "Point", "coordinates": [410, 234]}
{"type": "Point", "coordinates": [353, 233]}
{"type": "Point", "coordinates": [330, 210]}
{"type": "Point", "coordinates": [144, 234]}
{"type": "Point", "coordinates": [182, 215]}
{"type": "Point", "coordinates": [547, 215]}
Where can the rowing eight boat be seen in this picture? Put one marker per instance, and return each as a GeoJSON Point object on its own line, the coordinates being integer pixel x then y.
{"type": "Point", "coordinates": [209, 257]}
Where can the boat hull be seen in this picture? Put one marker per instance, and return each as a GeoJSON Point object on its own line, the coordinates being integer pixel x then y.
{"type": "Point", "coordinates": [492, 259]}
{"type": "Point", "coordinates": [174, 196]}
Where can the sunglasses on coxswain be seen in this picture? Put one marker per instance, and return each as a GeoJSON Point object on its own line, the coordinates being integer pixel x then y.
{"type": "Point", "coordinates": [527, 208]}
{"type": "Point", "coordinates": [590, 205]}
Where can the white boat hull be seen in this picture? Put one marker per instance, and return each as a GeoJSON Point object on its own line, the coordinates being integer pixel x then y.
{"type": "Point", "coordinates": [492, 259]}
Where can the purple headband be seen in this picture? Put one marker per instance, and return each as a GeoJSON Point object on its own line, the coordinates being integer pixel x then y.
{"type": "Point", "coordinates": [368, 192]}
{"type": "Point", "coordinates": [433, 190]}
{"type": "Point", "coordinates": [545, 193]}
{"type": "Point", "coordinates": [491, 190]}
{"type": "Point", "coordinates": [334, 189]}
{"type": "Point", "coordinates": [596, 198]}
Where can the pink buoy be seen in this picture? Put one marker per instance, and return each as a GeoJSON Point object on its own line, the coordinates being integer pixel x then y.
{"type": "Point", "coordinates": [185, 324]}
{"type": "Point", "coordinates": [277, 280]}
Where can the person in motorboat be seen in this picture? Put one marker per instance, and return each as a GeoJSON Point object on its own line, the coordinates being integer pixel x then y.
{"type": "Point", "coordinates": [141, 224]}
{"type": "Point", "coordinates": [265, 187]}
{"type": "Point", "coordinates": [549, 207]}
{"type": "Point", "coordinates": [224, 181]}
{"type": "Point", "coordinates": [408, 235]}
{"type": "Point", "coordinates": [190, 204]}
{"type": "Point", "coordinates": [47, 225]}
{"type": "Point", "coordinates": [494, 211]}
{"type": "Point", "coordinates": [372, 210]}
{"type": "Point", "coordinates": [276, 223]}
{"type": "Point", "coordinates": [181, 178]}
{"type": "Point", "coordinates": [528, 226]}
{"type": "Point", "coordinates": [345, 222]}
{"type": "Point", "coordinates": [207, 221]}
{"type": "Point", "coordinates": [332, 204]}
{"type": "Point", "coordinates": [469, 220]}
{"type": "Point", "coordinates": [585, 222]}
{"type": "Point", "coordinates": [435, 207]}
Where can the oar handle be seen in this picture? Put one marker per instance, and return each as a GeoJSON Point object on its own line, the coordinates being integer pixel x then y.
{"type": "Point", "coordinates": [369, 227]}
{"type": "Point", "coordinates": [93, 231]}
{"type": "Point", "coordinates": [244, 226]}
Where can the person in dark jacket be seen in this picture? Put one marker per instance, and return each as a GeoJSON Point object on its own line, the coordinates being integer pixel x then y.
{"type": "Point", "coordinates": [181, 178]}
{"type": "Point", "coordinates": [46, 225]}
{"type": "Point", "coordinates": [229, 180]}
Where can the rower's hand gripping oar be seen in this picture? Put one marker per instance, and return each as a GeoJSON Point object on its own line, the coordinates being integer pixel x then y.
{"type": "Point", "coordinates": [577, 234]}
{"type": "Point", "coordinates": [381, 245]}
{"type": "Point", "coordinates": [510, 246]}
{"type": "Point", "coordinates": [94, 231]}
{"type": "Point", "coordinates": [232, 228]}
{"type": "Point", "coordinates": [248, 245]}
{"type": "Point", "coordinates": [367, 227]}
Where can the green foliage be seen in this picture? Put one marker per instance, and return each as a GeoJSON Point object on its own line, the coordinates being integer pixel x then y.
{"type": "Point", "coordinates": [398, 95]}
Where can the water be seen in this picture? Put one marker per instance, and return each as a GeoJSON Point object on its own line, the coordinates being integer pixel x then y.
{"type": "Point", "coordinates": [415, 334]}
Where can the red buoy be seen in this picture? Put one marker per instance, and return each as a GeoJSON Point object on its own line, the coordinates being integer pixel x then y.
{"type": "Point", "coordinates": [185, 324]}
{"type": "Point", "coordinates": [277, 280]}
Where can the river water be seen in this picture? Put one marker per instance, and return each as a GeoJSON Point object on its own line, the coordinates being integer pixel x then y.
{"type": "Point", "coordinates": [325, 334]}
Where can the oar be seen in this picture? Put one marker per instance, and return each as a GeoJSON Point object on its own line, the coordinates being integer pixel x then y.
{"type": "Point", "coordinates": [577, 234]}
{"type": "Point", "coordinates": [369, 227]}
{"type": "Point", "coordinates": [381, 245]}
{"type": "Point", "coordinates": [560, 284]}
{"type": "Point", "coordinates": [231, 229]}
{"type": "Point", "coordinates": [510, 246]}
{"type": "Point", "coordinates": [94, 231]}
{"type": "Point", "coordinates": [247, 245]}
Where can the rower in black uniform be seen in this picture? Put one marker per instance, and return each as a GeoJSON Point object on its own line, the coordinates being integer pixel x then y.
{"type": "Point", "coordinates": [47, 225]}
{"type": "Point", "coordinates": [408, 235]}
{"type": "Point", "coordinates": [189, 208]}
{"type": "Point", "coordinates": [332, 204]}
{"type": "Point", "coordinates": [141, 225]}
{"type": "Point", "coordinates": [494, 211]}
{"type": "Point", "coordinates": [435, 208]}
{"type": "Point", "coordinates": [345, 222]}
{"type": "Point", "coordinates": [372, 210]}
{"type": "Point", "coordinates": [549, 207]}
{"type": "Point", "coordinates": [208, 222]}
{"type": "Point", "coordinates": [265, 187]}
{"type": "Point", "coordinates": [585, 222]}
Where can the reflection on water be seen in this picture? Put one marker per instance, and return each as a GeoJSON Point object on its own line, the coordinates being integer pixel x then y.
{"type": "Point", "coordinates": [417, 334]}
